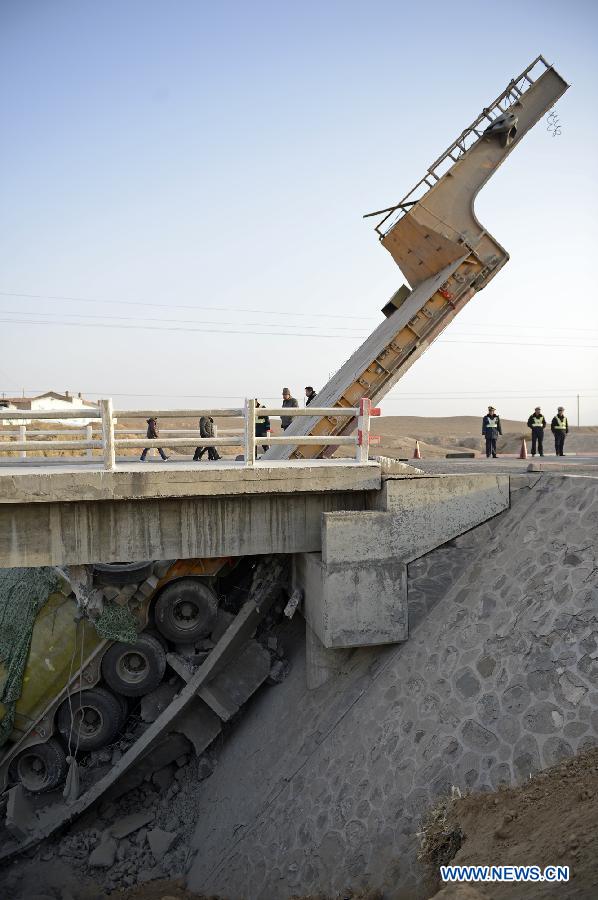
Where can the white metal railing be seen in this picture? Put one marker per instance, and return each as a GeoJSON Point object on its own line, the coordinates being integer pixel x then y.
{"type": "Point", "coordinates": [108, 441]}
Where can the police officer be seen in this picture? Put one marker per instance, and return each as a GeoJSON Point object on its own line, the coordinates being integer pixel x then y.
{"type": "Point", "coordinates": [537, 423]}
{"type": "Point", "coordinates": [491, 428]}
{"type": "Point", "coordinates": [560, 428]}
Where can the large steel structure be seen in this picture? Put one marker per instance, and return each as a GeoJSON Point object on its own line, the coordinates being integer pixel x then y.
{"type": "Point", "coordinates": [442, 249]}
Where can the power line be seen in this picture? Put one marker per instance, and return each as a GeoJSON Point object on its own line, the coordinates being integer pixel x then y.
{"type": "Point", "coordinates": [185, 329]}
{"type": "Point", "coordinates": [15, 312]}
{"type": "Point", "coordinates": [470, 343]}
{"type": "Point", "coordinates": [265, 312]}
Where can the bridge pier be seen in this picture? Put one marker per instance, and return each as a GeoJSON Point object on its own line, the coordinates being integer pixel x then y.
{"type": "Point", "coordinates": [355, 588]}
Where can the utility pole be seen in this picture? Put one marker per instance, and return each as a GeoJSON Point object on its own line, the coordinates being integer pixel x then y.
{"type": "Point", "coordinates": [578, 410]}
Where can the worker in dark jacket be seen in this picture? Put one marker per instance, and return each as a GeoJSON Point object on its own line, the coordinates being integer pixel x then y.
{"type": "Point", "coordinates": [560, 428]}
{"type": "Point", "coordinates": [287, 402]}
{"type": "Point", "coordinates": [309, 395]}
{"type": "Point", "coordinates": [491, 428]}
{"type": "Point", "coordinates": [537, 423]}
{"type": "Point", "coordinates": [206, 430]}
{"type": "Point", "coordinates": [262, 426]}
{"type": "Point", "coordinates": [152, 434]}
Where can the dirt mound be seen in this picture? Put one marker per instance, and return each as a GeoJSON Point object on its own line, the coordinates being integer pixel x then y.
{"type": "Point", "coordinates": [552, 819]}
{"type": "Point", "coordinates": [164, 889]}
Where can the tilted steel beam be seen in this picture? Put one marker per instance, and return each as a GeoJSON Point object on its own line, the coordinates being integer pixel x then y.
{"type": "Point", "coordinates": [442, 249]}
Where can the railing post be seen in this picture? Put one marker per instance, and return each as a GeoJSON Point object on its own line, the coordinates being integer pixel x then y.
{"type": "Point", "coordinates": [88, 431]}
{"type": "Point", "coordinates": [362, 450]}
{"type": "Point", "coordinates": [249, 432]}
{"type": "Point", "coordinates": [23, 437]}
{"type": "Point", "coordinates": [108, 434]}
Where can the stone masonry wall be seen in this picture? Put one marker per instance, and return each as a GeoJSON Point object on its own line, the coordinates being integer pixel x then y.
{"type": "Point", "coordinates": [324, 790]}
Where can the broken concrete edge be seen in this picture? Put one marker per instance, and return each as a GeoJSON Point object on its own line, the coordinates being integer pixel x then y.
{"type": "Point", "coordinates": [590, 469]}
{"type": "Point", "coordinates": [392, 467]}
{"type": "Point", "coordinates": [520, 482]}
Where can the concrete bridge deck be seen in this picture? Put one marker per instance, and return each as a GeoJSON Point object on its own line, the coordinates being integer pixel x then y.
{"type": "Point", "coordinates": [71, 481]}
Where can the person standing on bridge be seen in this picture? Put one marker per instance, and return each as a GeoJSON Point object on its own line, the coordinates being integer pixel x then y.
{"type": "Point", "coordinates": [491, 428]}
{"type": "Point", "coordinates": [287, 401]}
{"type": "Point", "coordinates": [309, 395]}
{"type": "Point", "coordinates": [262, 426]}
{"type": "Point", "coordinates": [152, 434]}
{"type": "Point", "coordinates": [560, 428]}
{"type": "Point", "coordinates": [537, 423]}
{"type": "Point", "coordinates": [206, 430]}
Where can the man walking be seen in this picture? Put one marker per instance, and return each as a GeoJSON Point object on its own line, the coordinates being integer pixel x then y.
{"type": "Point", "coordinates": [206, 430]}
{"type": "Point", "coordinates": [152, 434]}
{"type": "Point", "coordinates": [287, 402]}
{"type": "Point", "coordinates": [262, 426]}
{"type": "Point", "coordinates": [560, 428]}
{"type": "Point", "coordinates": [309, 395]}
{"type": "Point", "coordinates": [491, 428]}
{"type": "Point", "coordinates": [537, 423]}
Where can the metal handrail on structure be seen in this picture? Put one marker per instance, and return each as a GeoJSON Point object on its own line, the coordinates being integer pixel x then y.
{"type": "Point", "coordinates": [108, 441]}
{"type": "Point", "coordinates": [511, 94]}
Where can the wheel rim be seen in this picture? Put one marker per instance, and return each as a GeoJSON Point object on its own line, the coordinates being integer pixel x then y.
{"type": "Point", "coordinates": [32, 771]}
{"type": "Point", "coordinates": [132, 666]}
{"type": "Point", "coordinates": [88, 721]}
{"type": "Point", "coordinates": [185, 614]}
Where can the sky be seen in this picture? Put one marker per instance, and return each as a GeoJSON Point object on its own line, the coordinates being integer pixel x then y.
{"type": "Point", "coordinates": [193, 176]}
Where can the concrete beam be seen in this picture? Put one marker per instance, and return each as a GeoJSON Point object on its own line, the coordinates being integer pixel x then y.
{"type": "Point", "coordinates": [72, 483]}
{"type": "Point", "coordinates": [356, 588]}
{"type": "Point", "coordinates": [42, 534]}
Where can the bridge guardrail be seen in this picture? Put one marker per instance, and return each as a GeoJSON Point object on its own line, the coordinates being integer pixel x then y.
{"type": "Point", "coordinates": [108, 440]}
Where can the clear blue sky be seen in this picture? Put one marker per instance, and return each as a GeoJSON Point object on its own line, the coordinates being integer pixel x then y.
{"type": "Point", "coordinates": [199, 154]}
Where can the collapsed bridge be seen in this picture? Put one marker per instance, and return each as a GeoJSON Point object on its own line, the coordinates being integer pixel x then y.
{"type": "Point", "coordinates": [341, 542]}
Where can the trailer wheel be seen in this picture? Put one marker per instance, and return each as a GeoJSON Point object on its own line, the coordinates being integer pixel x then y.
{"type": "Point", "coordinates": [91, 720]}
{"type": "Point", "coordinates": [134, 669]}
{"type": "Point", "coordinates": [122, 572]}
{"type": "Point", "coordinates": [124, 709]}
{"type": "Point", "coordinates": [186, 610]}
{"type": "Point", "coordinates": [40, 768]}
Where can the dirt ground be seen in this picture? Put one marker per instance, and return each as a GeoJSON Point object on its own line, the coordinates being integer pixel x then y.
{"type": "Point", "coordinates": [175, 890]}
{"type": "Point", "coordinates": [165, 889]}
{"type": "Point", "coordinates": [550, 820]}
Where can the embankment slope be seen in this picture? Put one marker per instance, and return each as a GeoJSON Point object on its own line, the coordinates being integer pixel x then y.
{"type": "Point", "coordinates": [323, 790]}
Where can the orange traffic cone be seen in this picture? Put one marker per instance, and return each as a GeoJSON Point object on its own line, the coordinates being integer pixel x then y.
{"type": "Point", "coordinates": [523, 451]}
{"type": "Point", "coordinates": [417, 452]}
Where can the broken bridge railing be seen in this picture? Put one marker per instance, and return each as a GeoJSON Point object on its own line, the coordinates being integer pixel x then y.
{"type": "Point", "coordinates": [109, 442]}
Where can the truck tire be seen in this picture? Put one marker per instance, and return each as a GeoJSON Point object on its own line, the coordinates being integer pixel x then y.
{"type": "Point", "coordinates": [134, 669]}
{"type": "Point", "coordinates": [40, 768]}
{"type": "Point", "coordinates": [122, 572]}
{"type": "Point", "coordinates": [186, 610]}
{"type": "Point", "coordinates": [124, 709]}
{"type": "Point", "coordinates": [91, 720]}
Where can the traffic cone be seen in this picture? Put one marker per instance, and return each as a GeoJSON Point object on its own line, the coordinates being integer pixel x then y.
{"type": "Point", "coordinates": [523, 451]}
{"type": "Point", "coordinates": [417, 452]}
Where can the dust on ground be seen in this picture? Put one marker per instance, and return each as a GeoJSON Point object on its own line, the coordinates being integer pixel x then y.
{"type": "Point", "coordinates": [550, 820]}
{"type": "Point", "coordinates": [164, 889]}
{"type": "Point", "coordinates": [175, 890]}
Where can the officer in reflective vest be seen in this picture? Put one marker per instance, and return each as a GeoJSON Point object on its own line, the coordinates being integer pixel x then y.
{"type": "Point", "coordinates": [491, 428]}
{"type": "Point", "coordinates": [537, 423]}
{"type": "Point", "coordinates": [560, 428]}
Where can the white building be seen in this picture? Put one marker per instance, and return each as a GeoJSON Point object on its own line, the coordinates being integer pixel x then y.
{"type": "Point", "coordinates": [47, 402]}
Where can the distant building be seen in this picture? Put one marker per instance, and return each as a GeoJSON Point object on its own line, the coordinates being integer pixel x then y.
{"type": "Point", "coordinates": [47, 402]}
